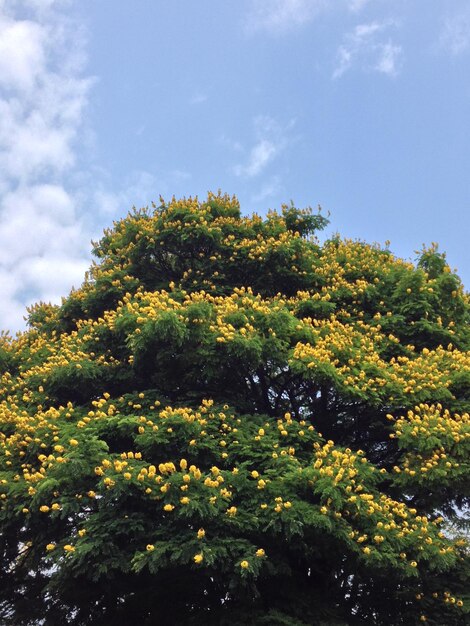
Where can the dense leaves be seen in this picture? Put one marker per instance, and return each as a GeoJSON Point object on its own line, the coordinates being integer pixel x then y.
{"type": "Point", "coordinates": [229, 423]}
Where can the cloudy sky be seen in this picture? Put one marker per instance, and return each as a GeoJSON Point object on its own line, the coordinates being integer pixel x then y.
{"type": "Point", "coordinates": [361, 106]}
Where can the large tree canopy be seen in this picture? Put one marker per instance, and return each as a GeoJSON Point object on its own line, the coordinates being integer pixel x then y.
{"type": "Point", "coordinates": [229, 423]}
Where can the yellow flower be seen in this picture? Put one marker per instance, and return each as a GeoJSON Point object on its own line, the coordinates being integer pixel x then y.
{"type": "Point", "coordinates": [232, 511]}
{"type": "Point", "coordinates": [244, 564]}
{"type": "Point", "coordinates": [150, 547]}
{"type": "Point", "coordinates": [413, 564]}
{"type": "Point", "coordinates": [82, 532]}
{"type": "Point", "coordinates": [44, 508]}
{"type": "Point", "coordinates": [91, 494]}
{"type": "Point", "coordinates": [198, 558]}
{"type": "Point", "coordinates": [184, 500]}
{"type": "Point", "coordinates": [168, 507]}
{"type": "Point", "coordinates": [201, 533]}
{"type": "Point", "coordinates": [73, 442]}
{"type": "Point", "coordinates": [366, 550]}
{"type": "Point", "coordinates": [69, 548]}
{"type": "Point", "coordinates": [260, 553]}
{"type": "Point", "coordinates": [50, 546]}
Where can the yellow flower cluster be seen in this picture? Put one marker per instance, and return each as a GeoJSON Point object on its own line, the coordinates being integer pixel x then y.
{"type": "Point", "coordinates": [387, 521]}
{"type": "Point", "coordinates": [437, 442]}
{"type": "Point", "coordinates": [351, 354]}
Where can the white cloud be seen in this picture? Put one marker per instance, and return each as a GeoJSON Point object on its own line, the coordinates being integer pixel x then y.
{"type": "Point", "coordinates": [455, 35]}
{"type": "Point", "coordinates": [281, 15]}
{"type": "Point", "coordinates": [269, 189]}
{"type": "Point", "coordinates": [388, 60]}
{"type": "Point", "coordinates": [230, 144]}
{"type": "Point", "coordinates": [35, 274]}
{"type": "Point", "coordinates": [138, 190]}
{"type": "Point", "coordinates": [261, 154]}
{"type": "Point", "coordinates": [34, 217]}
{"type": "Point", "coordinates": [277, 16]}
{"type": "Point", "coordinates": [363, 31]}
{"type": "Point", "coordinates": [363, 48]}
{"type": "Point", "coordinates": [270, 141]}
{"type": "Point", "coordinates": [11, 309]}
{"type": "Point", "coordinates": [22, 53]}
{"type": "Point", "coordinates": [43, 96]}
{"type": "Point", "coordinates": [357, 5]}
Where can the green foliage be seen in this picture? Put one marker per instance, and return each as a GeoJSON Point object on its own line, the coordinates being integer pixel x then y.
{"type": "Point", "coordinates": [229, 423]}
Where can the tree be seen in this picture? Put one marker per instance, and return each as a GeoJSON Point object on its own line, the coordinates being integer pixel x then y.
{"type": "Point", "coordinates": [229, 423]}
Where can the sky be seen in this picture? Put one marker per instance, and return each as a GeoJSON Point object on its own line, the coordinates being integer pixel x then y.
{"type": "Point", "coordinates": [359, 106]}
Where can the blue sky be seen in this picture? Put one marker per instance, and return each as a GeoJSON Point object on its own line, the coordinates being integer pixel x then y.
{"type": "Point", "coordinates": [360, 106]}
